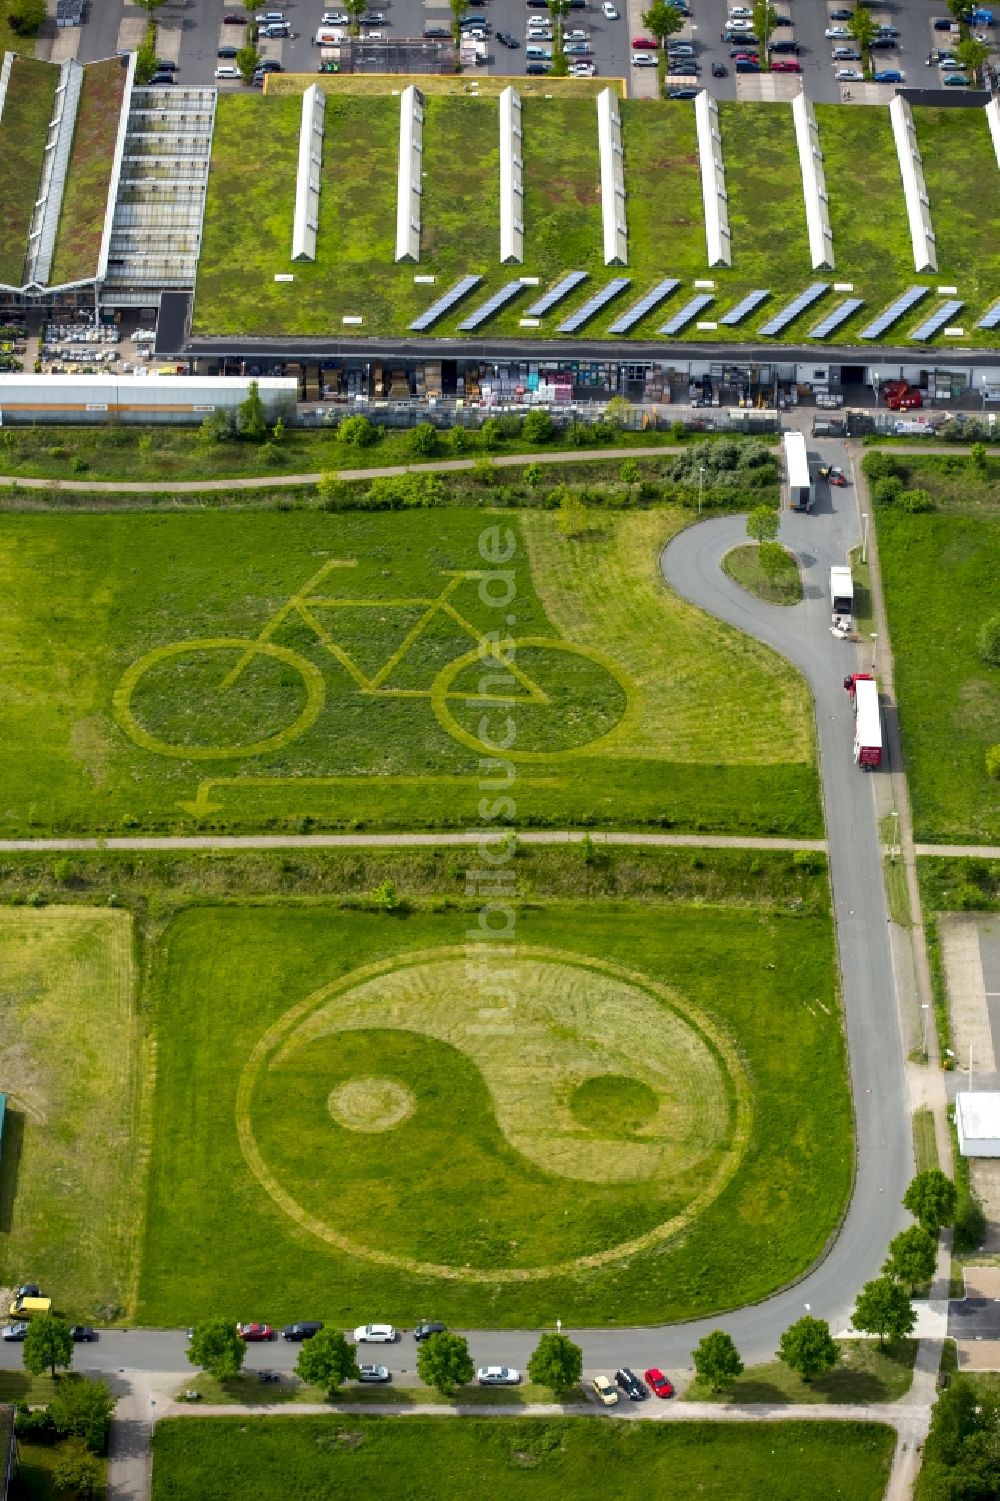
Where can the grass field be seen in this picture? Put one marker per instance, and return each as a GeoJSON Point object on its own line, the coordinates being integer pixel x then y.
{"type": "Point", "coordinates": [866, 1372]}
{"type": "Point", "coordinates": [23, 129]}
{"type": "Point", "coordinates": [333, 1457]}
{"type": "Point", "coordinates": [743, 566]}
{"type": "Point", "coordinates": [941, 573]}
{"type": "Point", "coordinates": [68, 1060]}
{"type": "Point", "coordinates": [355, 273]}
{"type": "Point", "coordinates": [119, 720]}
{"type": "Point", "coordinates": [34, 1479]}
{"type": "Point", "coordinates": [524, 1191]}
{"type": "Point", "coordinates": [246, 1390]}
{"type": "Point", "coordinates": [88, 176]}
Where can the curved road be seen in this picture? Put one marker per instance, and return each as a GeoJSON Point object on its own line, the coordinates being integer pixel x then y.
{"type": "Point", "coordinates": [691, 566]}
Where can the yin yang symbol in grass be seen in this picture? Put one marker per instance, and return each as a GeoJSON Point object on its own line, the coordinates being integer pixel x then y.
{"type": "Point", "coordinates": [401, 1115]}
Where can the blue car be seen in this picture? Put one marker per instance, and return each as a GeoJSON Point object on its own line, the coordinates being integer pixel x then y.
{"type": "Point", "coordinates": [982, 18]}
{"type": "Point", "coordinates": [888, 75]}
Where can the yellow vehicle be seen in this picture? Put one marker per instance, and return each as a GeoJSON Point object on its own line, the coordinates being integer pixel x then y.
{"type": "Point", "coordinates": [29, 1308]}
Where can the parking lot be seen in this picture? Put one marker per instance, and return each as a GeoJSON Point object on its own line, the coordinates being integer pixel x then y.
{"type": "Point", "coordinates": [191, 33]}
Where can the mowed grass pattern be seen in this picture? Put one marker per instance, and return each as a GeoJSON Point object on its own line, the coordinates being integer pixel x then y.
{"type": "Point", "coordinates": [68, 1063]}
{"type": "Point", "coordinates": [457, 1190]}
{"type": "Point", "coordinates": [555, 1460]}
{"type": "Point", "coordinates": [695, 742]}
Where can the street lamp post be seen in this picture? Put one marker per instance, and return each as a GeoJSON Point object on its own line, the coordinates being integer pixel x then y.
{"type": "Point", "coordinates": [925, 1008]}
{"type": "Point", "coordinates": [896, 846]}
{"type": "Point", "coordinates": [864, 537]}
{"type": "Point", "coordinates": [701, 485]}
{"type": "Point", "coordinates": [874, 636]}
{"type": "Point", "coordinates": [559, 1326]}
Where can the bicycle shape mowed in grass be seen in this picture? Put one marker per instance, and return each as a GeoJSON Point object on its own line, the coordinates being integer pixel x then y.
{"type": "Point", "coordinates": [207, 668]}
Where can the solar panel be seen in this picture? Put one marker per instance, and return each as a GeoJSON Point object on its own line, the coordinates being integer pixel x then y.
{"type": "Point", "coordinates": [833, 320]}
{"type": "Point", "coordinates": [593, 305]}
{"type": "Point", "coordinates": [444, 304]}
{"type": "Point", "coordinates": [687, 312]}
{"type": "Point", "coordinates": [556, 294]}
{"type": "Point", "coordinates": [792, 309]}
{"type": "Point", "coordinates": [894, 312]}
{"type": "Point", "coordinates": [940, 316]}
{"type": "Point", "coordinates": [491, 305]}
{"type": "Point", "coordinates": [990, 319]}
{"type": "Point", "coordinates": [639, 309]}
{"type": "Point", "coordinates": [739, 312]}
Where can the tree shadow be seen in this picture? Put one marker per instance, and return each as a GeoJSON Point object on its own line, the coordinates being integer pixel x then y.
{"type": "Point", "coordinates": [11, 1149]}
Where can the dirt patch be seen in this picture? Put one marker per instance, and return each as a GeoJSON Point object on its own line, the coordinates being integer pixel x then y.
{"type": "Point", "coordinates": [963, 967]}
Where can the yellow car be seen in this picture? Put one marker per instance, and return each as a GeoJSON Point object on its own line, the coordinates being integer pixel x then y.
{"type": "Point", "coordinates": [606, 1393]}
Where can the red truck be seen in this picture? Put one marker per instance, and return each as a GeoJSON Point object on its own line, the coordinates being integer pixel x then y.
{"type": "Point", "coordinates": [901, 397]}
{"type": "Point", "coordinates": [867, 719]}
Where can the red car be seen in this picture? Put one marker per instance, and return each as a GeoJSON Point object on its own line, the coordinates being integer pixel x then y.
{"type": "Point", "coordinates": [254, 1332]}
{"type": "Point", "coordinates": [786, 65]}
{"type": "Point", "coordinates": [644, 44]}
{"type": "Point", "coordinates": [658, 1383]}
{"type": "Point", "coordinates": [745, 57]}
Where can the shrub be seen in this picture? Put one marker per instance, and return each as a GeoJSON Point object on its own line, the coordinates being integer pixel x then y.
{"type": "Point", "coordinates": [358, 432]}
{"type": "Point", "coordinates": [879, 465]}
{"type": "Point", "coordinates": [270, 453]}
{"type": "Point", "coordinates": [424, 439]}
{"type": "Point", "coordinates": [989, 641]}
{"type": "Point", "coordinates": [491, 432]}
{"type": "Point", "coordinates": [510, 424]}
{"type": "Point", "coordinates": [915, 501]}
{"type": "Point", "coordinates": [886, 491]}
{"type": "Point", "coordinates": [459, 440]}
{"type": "Point", "coordinates": [538, 427]}
{"type": "Point", "coordinates": [993, 762]}
{"type": "Point", "coordinates": [483, 471]}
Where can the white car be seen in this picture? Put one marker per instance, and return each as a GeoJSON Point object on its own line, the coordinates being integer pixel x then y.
{"type": "Point", "coordinates": [849, 75]}
{"type": "Point", "coordinates": [335, 18]}
{"type": "Point", "coordinates": [498, 1375]}
{"type": "Point", "coordinates": [227, 72]}
{"type": "Point", "coordinates": [608, 11]}
{"type": "Point", "coordinates": [582, 70]}
{"type": "Point", "coordinates": [644, 60]}
{"type": "Point", "coordinates": [576, 36]}
{"type": "Point", "coordinates": [375, 1334]}
{"type": "Point", "coordinates": [605, 1391]}
{"type": "Point", "coordinates": [836, 31]}
{"type": "Point", "coordinates": [740, 10]}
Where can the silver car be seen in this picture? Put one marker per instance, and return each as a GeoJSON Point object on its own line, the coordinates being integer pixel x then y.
{"type": "Point", "coordinates": [498, 1375]}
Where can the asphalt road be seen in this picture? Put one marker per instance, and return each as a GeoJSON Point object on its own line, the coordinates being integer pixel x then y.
{"type": "Point", "coordinates": [691, 566]}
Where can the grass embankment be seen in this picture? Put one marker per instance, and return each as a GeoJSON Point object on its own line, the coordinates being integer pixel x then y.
{"type": "Point", "coordinates": [246, 1390]}
{"type": "Point", "coordinates": [925, 1151]}
{"type": "Point", "coordinates": [763, 977]}
{"type": "Point", "coordinates": [432, 86]}
{"type": "Point", "coordinates": [88, 175]}
{"type": "Point", "coordinates": [783, 588]}
{"type": "Point", "coordinates": [24, 127]}
{"type": "Point", "coordinates": [941, 573]}
{"type": "Point", "coordinates": [101, 734]}
{"type": "Point", "coordinates": [208, 1458]}
{"type": "Point", "coordinates": [69, 1055]}
{"type": "Point", "coordinates": [867, 1372]}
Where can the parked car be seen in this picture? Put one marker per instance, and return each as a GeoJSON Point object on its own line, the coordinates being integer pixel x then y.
{"type": "Point", "coordinates": [503, 37]}
{"type": "Point", "coordinates": [786, 65]}
{"type": "Point", "coordinates": [658, 1383]}
{"type": "Point", "coordinates": [227, 52]}
{"type": "Point", "coordinates": [268, 1378]}
{"type": "Point", "coordinates": [582, 69]}
{"type": "Point", "coordinates": [943, 23]}
{"type": "Point", "coordinates": [305, 1330]}
{"type": "Point", "coordinates": [744, 57]}
{"type": "Point", "coordinates": [783, 47]}
{"type": "Point", "coordinates": [892, 31]}
{"type": "Point", "coordinates": [373, 1373]}
{"type": "Point", "coordinates": [269, 65]}
{"type": "Point", "coordinates": [686, 93]}
{"type": "Point", "coordinates": [849, 75]}
{"type": "Point", "coordinates": [643, 60]}
{"type": "Point", "coordinates": [643, 44]}
{"type": "Point", "coordinates": [375, 1334]}
{"type": "Point", "coordinates": [719, 70]}
{"type": "Point", "coordinates": [534, 69]}
{"type": "Point", "coordinates": [232, 19]}
{"type": "Point", "coordinates": [629, 1383]}
{"type": "Point", "coordinates": [577, 49]}
{"type": "Point", "coordinates": [841, 15]}
{"type": "Point", "coordinates": [741, 38]}
{"type": "Point", "coordinates": [335, 18]}
{"type": "Point", "coordinates": [498, 1375]}
{"type": "Point", "coordinates": [682, 68]}
{"type": "Point", "coordinates": [604, 1391]}
{"type": "Point", "coordinates": [836, 31]}
{"type": "Point", "coordinates": [165, 67]}
{"type": "Point", "coordinates": [163, 78]}
{"type": "Point", "coordinates": [82, 1334]}
{"type": "Point", "coordinates": [740, 10]}
{"type": "Point", "coordinates": [955, 81]}
{"type": "Point", "coordinates": [426, 1328]}
{"type": "Point", "coordinates": [253, 1333]}
{"type": "Point", "coordinates": [746, 67]}
{"type": "Point", "coordinates": [14, 1333]}
{"type": "Point", "coordinates": [887, 75]}
{"type": "Point", "coordinates": [846, 55]}
{"type": "Point", "coordinates": [680, 49]}
{"type": "Point", "coordinates": [608, 11]}
{"type": "Point", "coordinates": [881, 44]}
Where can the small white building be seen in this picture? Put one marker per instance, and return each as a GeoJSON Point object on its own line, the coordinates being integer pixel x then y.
{"type": "Point", "coordinates": [977, 1116]}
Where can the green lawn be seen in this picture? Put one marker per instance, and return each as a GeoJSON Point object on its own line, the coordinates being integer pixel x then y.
{"type": "Point", "coordinates": [207, 1459]}
{"type": "Point", "coordinates": [966, 239]}
{"type": "Point", "coordinates": [758, 146]}
{"type": "Point", "coordinates": [942, 581]}
{"type": "Point", "coordinates": [68, 1059]}
{"type": "Point", "coordinates": [743, 566]}
{"type": "Point", "coordinates": [34, 1479]}
{"type": "Point", "coordinates": [23, 128]}
{"type": "Point", "coordinates": [88, 176]}
{"type": "Point", "coordinates": [866, 1372]}
{"type": "Point", "coordinates": [525, 1190]}
{"type": "Point", "coordinates": [246, 1390]}
{"type": "Point", "coordinates": [111, 718]}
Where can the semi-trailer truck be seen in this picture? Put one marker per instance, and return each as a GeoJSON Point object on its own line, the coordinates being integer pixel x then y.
{"type": "Point", "coordinates": [867, 719]}
{"type": "Point", "coordinates": [842, 598]}
{"type": "Point", "coordinates": [797, 471]}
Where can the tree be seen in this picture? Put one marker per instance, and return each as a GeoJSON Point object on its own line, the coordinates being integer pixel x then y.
{"type": "Point", "coordinates": [863, 30]}
{"type": "Point", "coordinates": [78, 1472]}
{"type": "Point", "coordinates": [217, 1348]}
{"type": "Point", "coordinates": [556, 1363]}
{"type": "Point", "coordinates": [47, 1345]}
{"type": "Point", "coordinates": [884, 1308]}
{"type": "Point", "coordinates": [764, 18]}
{"type": "Point", "coordinates": [533, 476]}
{"type": "Point", "coordinates": [538, 426]}
{"type": "Point", "coordinates": [808, 1347]}
{"type": "Point", "coordinates": [250, 419]}
{"type": "Point", "coordinates": [26, 16]}
{"type": "Point", "coordinates": [931, 1199]}
{"type": "Point", "coordinates": [978, 458]}
{"type": "Point", "coordinates": [773, 560]}
{"type": "Point", "coordinates": [327, 1360]}
{"type": "Point", "coordinates": [491, 433]}
{"type": "Point", "coordinates": [662, 20]}
{"type": "Point", "coordinates": [356, 9]}
{"type": "Point", "coordinates": [962, 10]}
{"type": "Point", "coordinates": [83, 1409]}
{"type": "Point", "coordinates": [358, 432]}
{"type": "Point", "coordinates": [424, 438]}
{"type": "Point", "coordinates": [145, 57]}
{"type": "Point", "coordinates": [717, 1360]}
{"type": "Point", "coordinates": [279, 431]}
{"type": "Point", "coordinates": [618, 412]}
{"type": "Point", "coordinates": [458, 9]}
{"type": "Point", "coordinates": [762, 524]}
{"type": "Point", "coordinates": [971, 54]}
{"type": "Point", "coordinates": [572, 517]}
{"type": "Point", "coordinates": [150, 5]}
{"type": "Point", "coordinates": [912, 1257]}
{"type": "Point", "coordinates": [247, 60]}
{"type": "Point", "coordinates": [444, 1362]}
{"type": "Point", "coordinates": [629, 472]}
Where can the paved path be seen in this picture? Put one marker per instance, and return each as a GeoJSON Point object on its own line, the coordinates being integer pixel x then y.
{"type": "Point", "coordinates": [390, 471]}
{"type": "Point", "coordinates": [404, 840]}
{"type": "Point", "coordinates": [977, 851]}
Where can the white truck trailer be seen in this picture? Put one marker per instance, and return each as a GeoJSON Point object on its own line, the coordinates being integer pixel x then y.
{"type": "Point", "coordinates": [800, 493]}
{"type": "Point", "coordinates": [842, 598]}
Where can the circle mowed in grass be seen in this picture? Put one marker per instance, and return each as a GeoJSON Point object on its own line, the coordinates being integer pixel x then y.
{"type": "Point", "coordinates": [404, 1115]}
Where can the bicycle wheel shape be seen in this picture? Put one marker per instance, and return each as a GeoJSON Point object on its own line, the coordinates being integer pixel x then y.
{"type": "Point", "coordinates": [217, 699]}
{"type": "Point", "coordinates": [546, 700]}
